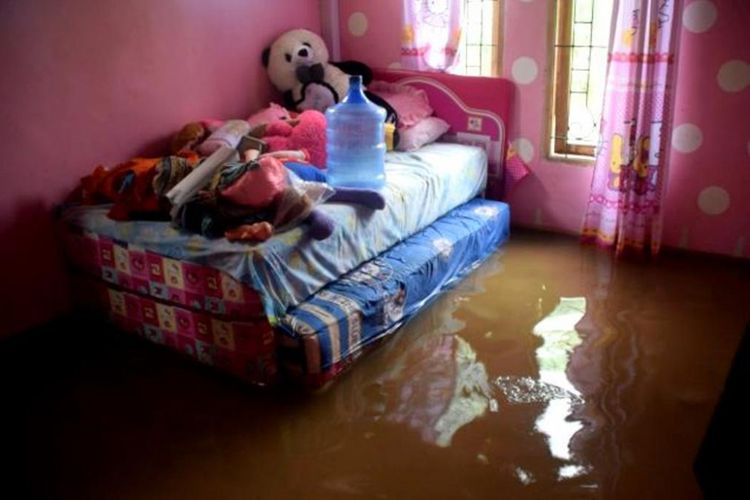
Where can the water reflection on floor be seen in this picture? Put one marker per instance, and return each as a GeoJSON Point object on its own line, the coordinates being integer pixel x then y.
{"type": "Point", "coordinates": [550, 372]}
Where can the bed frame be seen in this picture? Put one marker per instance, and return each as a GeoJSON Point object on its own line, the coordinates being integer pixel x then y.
{"type": "Point", "coordinates": [477, 109]}
{"type": "Point", "coordinates": [209, 316]}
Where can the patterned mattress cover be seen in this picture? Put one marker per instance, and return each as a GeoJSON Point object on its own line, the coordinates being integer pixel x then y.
{"type": "Point", "coordinates": [133, 268]}
{"type": "Point", "coordinates": [326, 332]}
{"type": "Point", "coordinates": [243, 348]}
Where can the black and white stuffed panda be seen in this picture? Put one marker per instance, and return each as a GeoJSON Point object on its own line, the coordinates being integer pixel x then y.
{"type": "Point", "coordinates": [298, 66]}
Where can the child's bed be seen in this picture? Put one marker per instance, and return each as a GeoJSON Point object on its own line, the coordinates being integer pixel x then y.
{"type": "Point", "coordinates": [300, 307]}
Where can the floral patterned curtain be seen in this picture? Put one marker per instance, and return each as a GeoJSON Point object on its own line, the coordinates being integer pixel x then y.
{"type": "Point", "coordinates": [624, 207]}
{"type": "Point", "coordinates": [431, 34]}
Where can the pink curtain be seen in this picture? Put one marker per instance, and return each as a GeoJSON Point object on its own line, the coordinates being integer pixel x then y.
{"type": "Point", "coordinates": [431, 34]}
{"type": "Point", "coordinates": [624, 207]}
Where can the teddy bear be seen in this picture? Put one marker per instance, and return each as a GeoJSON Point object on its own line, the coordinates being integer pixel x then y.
{"type": "Point", "coordinates": [298, 65]}
{"type": "Point", "coordinates": [305, 132]}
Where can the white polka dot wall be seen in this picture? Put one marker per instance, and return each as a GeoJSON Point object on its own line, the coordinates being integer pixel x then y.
{"type": "Point", "coordinates": [687, 138]}
{"type": "Point", "coordinates": [733, 76]}
{"type": "Point", "coordinates": [524, 70]}
{"type": "Point", "coordinates": [699, 16]}
{"type": "Point", "coordinates": [713, 200]}
{"type": "Point", "coordinates": [357, 24]}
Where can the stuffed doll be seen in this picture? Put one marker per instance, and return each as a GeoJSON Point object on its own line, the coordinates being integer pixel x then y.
{"type": "Point", "coordinates": [305, 132]}
{"type": "Point", "coordinates": [206, 136]}
{"type": "Point", "coordinates": [298, 66]}
{"type": "Point", "coordinates": [137, 188]}
{"type": "Point", "coordinates": [250, 200]}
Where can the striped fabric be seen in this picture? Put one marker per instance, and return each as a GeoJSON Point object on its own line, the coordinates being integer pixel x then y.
{"type": "Point", "coordinates": [376, 298]}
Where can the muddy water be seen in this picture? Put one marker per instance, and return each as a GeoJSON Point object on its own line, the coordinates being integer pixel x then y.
{"type": "Point", "coordinates": [551, 372]}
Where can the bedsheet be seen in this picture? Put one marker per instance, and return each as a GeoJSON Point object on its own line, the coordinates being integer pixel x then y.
{"type": "Point", "coordinates": [421, 186]}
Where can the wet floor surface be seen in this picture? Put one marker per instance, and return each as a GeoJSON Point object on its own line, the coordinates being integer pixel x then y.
{"type": "Point", "coordinates": [550, 372]}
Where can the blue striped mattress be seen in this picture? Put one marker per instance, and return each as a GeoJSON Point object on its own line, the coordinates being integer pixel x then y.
{"type": "Point", "coordinates": [372, 301]}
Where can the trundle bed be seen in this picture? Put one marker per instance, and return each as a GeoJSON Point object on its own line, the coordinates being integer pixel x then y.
{"type": "Point", "coordinates": [296, 308]}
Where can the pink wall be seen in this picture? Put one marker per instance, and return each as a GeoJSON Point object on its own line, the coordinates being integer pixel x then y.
{"type": "Point", "coordinates": [555, 196]}
{"type": "Point", "coordinates": [98, 81]}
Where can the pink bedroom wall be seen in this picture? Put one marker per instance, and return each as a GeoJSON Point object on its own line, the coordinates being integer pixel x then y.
{"type": "Point", "coordinates": [89, 82]}
{"type": "Point", "coordinates": [716, 220]}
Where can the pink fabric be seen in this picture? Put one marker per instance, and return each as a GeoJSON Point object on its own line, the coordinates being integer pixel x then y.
{"type": "Point", "coordinates": [426, 131]}
{"type": "Point", "coordinates": [624, 207]}
{"type": "Point", "coordinates": [229, 135]}
{"type": "Point", "coordinates": [182, 283]}
{"type": "Point", "coordinates": [411, 104]}
{"type": "Point", "coordinates": [242, 348]}
{"type": "Point", "coordinates": [515, 169]}
{"type": "Point", "coordinates": [309, 135]}
{"type": "Point", "coordinates": [259, 185]}
{"type": "Point", "coordinates": [270, 114]}
{"type": "Point", "coordinates": [431, 34]}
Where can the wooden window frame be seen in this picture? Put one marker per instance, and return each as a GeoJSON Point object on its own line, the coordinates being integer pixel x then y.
{"type": "Point", "coordinates": [497, 39]}
{"type": "Point", "coordinates": [562, 47]}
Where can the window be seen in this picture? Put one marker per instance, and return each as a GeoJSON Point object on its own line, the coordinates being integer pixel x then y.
{"type": "Point", "coordinates": [581, 41]}
{"type": "Point", "coordinates": [479, 53]}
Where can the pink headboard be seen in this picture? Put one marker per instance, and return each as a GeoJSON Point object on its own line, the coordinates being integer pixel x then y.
{"type": "Point", "coordinates": [477, 108]}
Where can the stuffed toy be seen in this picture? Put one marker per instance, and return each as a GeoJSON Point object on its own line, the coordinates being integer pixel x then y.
{"type": "Point", "coordinates": [298, 66]}
{"type": "Point", "coordinates": [137, 188]}
{"type": "Point", "coordinates": [305, 132]}
{"type": "Point", "coordinates": [206, 136]}
{"type": "Point", "coordinates": [188, 138]}
{"type": "Point", "coordinates": [266, 199]}
{"type": "Point", "coordinates": [229, 135]}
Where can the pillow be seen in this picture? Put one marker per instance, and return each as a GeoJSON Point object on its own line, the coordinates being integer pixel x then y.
{"type": "Point", "coordinates": [411, 104]}
{"type": "Point", "coordinates": [426, 131]}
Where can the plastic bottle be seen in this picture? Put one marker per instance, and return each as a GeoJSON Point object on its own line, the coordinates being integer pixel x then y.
{"type": "Point", "coordinates": [355, 140]}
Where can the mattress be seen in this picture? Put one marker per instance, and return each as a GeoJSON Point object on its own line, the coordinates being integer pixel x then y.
{"type": "Point", "coordinates": [129, 267]}
{"type": "Point", "coordinates": [324, 335]}
{"type": "Point", "coordinates": [245, 349]}
{"type": "Point", "coordinates": [287, 269]}
{"type": "Point", "coordinates": [332, 327]}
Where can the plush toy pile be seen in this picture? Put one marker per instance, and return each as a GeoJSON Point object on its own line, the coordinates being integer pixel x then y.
{"type": "Point", "coordinates": [269, 179]}
{"type": "Point", "coordinates": [245, 179]}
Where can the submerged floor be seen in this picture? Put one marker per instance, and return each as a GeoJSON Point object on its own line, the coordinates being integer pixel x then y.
{"type": "Point", "coordinates": [549, 373]}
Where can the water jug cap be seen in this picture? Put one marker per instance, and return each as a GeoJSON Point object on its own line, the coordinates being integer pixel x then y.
{"type": "Point", "coordinates": [355, 94]}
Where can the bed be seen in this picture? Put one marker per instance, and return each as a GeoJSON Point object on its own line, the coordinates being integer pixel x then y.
{"type": "Point", "coordinates": [296, 308]}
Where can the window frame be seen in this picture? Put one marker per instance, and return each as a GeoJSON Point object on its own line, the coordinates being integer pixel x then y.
{"type": "Point", "coordinates": [561, 46]}
{"type": "Point", "coordinates": [497, 39]}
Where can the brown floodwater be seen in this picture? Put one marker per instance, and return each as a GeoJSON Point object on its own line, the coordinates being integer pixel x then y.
{"type": "Point", "coordinates": [552, 371]}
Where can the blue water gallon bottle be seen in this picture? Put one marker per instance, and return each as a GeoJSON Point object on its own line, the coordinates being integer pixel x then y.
{"type": "Point", "coordinates": [355, 140]}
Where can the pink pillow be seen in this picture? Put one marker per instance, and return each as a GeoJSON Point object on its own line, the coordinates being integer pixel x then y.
{"type": "Point", "coordinates": [426, 131]}
{"type": "Point", "coordinates": [411, 104]}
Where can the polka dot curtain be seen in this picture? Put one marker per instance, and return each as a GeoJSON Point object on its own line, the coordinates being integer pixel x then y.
{"type": "Point", "coordinates": [625, 204]}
